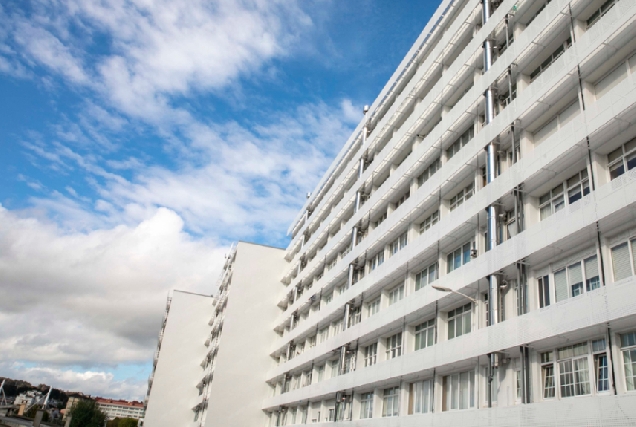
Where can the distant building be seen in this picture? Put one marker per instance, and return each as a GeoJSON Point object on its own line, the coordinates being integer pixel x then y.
{"type": "Point", "coordinates": [72, 399]}
{"type": "Point", "coordinates": [120, 408]}
{"type": "Point", "coordinates": [28, 397]}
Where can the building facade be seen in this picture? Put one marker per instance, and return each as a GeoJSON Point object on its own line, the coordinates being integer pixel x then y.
{"type": "Point", "coordinates": [120, 408]}
{"type": "Point", "coordinates": [469, 258]}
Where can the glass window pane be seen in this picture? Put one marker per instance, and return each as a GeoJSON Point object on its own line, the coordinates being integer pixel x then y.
{"type": "Point", "coordinates": [566, 378]}
{"type": "Point", "coordinates": [629, 359]}
{"type": "Point", "coordinates": [575, 277]}
{"type": "Point", "coordinates": [592, 279]}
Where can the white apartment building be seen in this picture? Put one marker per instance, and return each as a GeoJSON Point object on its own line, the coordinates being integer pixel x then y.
{"type": "Point", "coordinates": [120, 408]}
{"type": "Point", "coordinates": [469, 258]}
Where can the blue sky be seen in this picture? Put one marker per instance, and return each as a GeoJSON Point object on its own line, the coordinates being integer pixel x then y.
{"type": "Point", "coordinates": [140, 138]}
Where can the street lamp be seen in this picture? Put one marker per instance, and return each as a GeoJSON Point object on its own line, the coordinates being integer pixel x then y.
{"type": "Point", "coordinates": [443, 289]}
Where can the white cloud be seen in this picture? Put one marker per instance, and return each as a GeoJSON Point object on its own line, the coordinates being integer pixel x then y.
{"type": "Point", "coordinates": [151, 51]}
{"type": "Point", "coordinates": [95, 383]}
{"type": "Point", "coordinates": [96, 297]}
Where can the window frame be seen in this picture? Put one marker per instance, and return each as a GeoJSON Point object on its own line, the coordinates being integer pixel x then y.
{"type": "Point", "coordinates": [557, 198]}
{"type": "Point", "coordinates": [424, 334]}
{"type": "Point", "coordinates": [394, 346]}
{"type": "Point", "coordinates": [460, 313]}
{"type": "Point", "coordinates": [425, 276]}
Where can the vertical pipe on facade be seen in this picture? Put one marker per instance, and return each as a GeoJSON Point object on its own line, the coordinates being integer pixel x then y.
{"type": "Point", "coordinates": [491, 150]}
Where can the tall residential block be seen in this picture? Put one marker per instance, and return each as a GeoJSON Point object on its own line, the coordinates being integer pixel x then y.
{"type": "Point", "coordinates": [469, 258]}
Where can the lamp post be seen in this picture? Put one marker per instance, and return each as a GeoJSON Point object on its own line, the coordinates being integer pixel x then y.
{"type": "Point", "coordinates": [443, 289]}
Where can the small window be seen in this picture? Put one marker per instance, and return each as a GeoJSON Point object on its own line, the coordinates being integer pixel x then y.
{"type": "Point", "coordinates": [460, 142]}
{"type": "Point", "coordinates": [459, 391]}
{"type": "Point", "coordinates": [422, 397]}
{"type": "Point", "coordinates": [568, 192]}
{"type": "Point", "coordinates": [366, 405]}
{"type": "Point", "coordinates": [628, 348]}
{"type": "Point", "coordinates": [373, 307]}
{"type": "Point", "coordinates": [458, 257]}
{"type": "Point", "coordinates": [459, 321]}
{"type": "Point", "coordinates": [391, 402]}
{"type": "Point", "coordinates": [424, 334]}
{"type": "Point", "coordinates": [621, 260]}
{"type": "Point", "coordinates": [399, 243]}
{"type": "Point", "coordinates": [396, 294]}
{"type": "Point", "coordinates": [426, 276]}
{"type": "Point", "coordinates": [463, 195]}
{"type": "Point", "coordinates": [429, 222]}
{"type": "Point", "coordinates": [544, 291]}
{"type": "Point", "coordinates": [622, 159]}
{"type": "Point", "coordinates": [429, 171]}
{"type": "Point", "coordinates": [394, 346]}
{"type": "Point", "coordinates": [370, 354]}
{"type": "Point", "coordinates": [377, 260]}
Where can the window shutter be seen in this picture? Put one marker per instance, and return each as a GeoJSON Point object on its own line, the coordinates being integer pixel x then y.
{"type": "Point", "coordinates": [575, 275]}
{"type": "Point", "coordinates": [620, 262]}
{"type": "Point", "coordinates": [591, 267]}
{"type": "Point", "coordinates": [560, 285]}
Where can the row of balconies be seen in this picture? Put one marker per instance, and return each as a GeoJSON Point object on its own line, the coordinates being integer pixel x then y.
{"type": "Point", "coordinates": [523, 103]}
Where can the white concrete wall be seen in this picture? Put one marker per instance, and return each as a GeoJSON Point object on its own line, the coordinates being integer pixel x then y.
{"type": "Point", "coordinates": [238, 387]}
{"type": "Point", "coordinates": [174, 392]}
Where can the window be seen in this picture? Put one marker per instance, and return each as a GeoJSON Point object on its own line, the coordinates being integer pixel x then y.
{"type": "Point", "coordinates": [460, 143]}
{"type": "Point", "coordinates": [599, 13]}
{"type": "Point", "coordinates": [394, 346]}
{"type": "Point", "coordinates": [571, 190]}
{"type": "Point", "coordinates": [628, 348]}
{"type": "Point", "coordinates": [622, 159]}
{"type": "Point", "coordinates": [399, 243]}
{"type": "Point", "coordinates": [335, 368]}
{"type": "Point", "coordinates": [324, 334]}
{"type": "Point", "coordinates": [321, 372]}
{"type": "Point", "coordinates": [462, 196]}
{"type": "Point", "coordinates": [366, 405]}
{"type": "Point", "coordinates": [601, 372]}
{"type": "Point", "coordinates": [544, 291]}
{"type": "Point", "coordinates": [403, 199]}
{"type": "Point", "coordinates": [380, 220]}
{"type": "Point", "coordinates": [459, 321]}
{"type": "Point", "coordinates": [422, 397]}
{"type": "Point", "coordinates": [425, 334]}
{"type": "Point", "coordinates": [355, 316]}
{"type": "Point", "coordinates": [391, 402]}
{"type": "Point", "coordinates": [547, 375]}
{"type": "Point", "coordinates": [459, 391]}
{"type": "Point", "coordinates": [370, 354]}
{"type": "Point", "coordinates": [622, 259]}
{"type": "Point", "coordinates": [377, 260]}
{"type": "Point", "coordinates": [429, 172]}
{"type": "Point", "coordinates": [569, 281]}
{"type": "Point", "coordinates": [574, 376]}
{"type": "Point", "coordinates": [429, 222]}
{"type": "Point", "coordinates": [373, 307]}
{"type": "Point", "coordinates": [550, 59]}
{"type": "Point", "coordinates": [328, 297]}
{"type": "Point", "coordinates": [426, 277]}
{"type": "Point", "coordinates": [458, 257]}
{"type": "Point", "coordinates": [396, 294]}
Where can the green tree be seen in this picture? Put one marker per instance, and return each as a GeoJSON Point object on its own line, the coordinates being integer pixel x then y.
{"type": "Point", "coordinates": [86, 413]}
{"type": "Point", "coordinates": [122, 422]}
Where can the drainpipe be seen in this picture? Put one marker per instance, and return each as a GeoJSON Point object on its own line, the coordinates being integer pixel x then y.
{"type": "Point", "coordinates": [491, 150]}
{"type": "Point", "coordinates": [361, 163]}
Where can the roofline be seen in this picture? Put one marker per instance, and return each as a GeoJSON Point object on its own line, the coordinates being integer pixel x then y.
{"type": "Point", "coordinates": [432, 24]}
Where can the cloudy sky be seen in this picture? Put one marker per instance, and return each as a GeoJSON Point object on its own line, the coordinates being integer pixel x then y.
{"type": "Point", "coordinates": [139, 138]}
